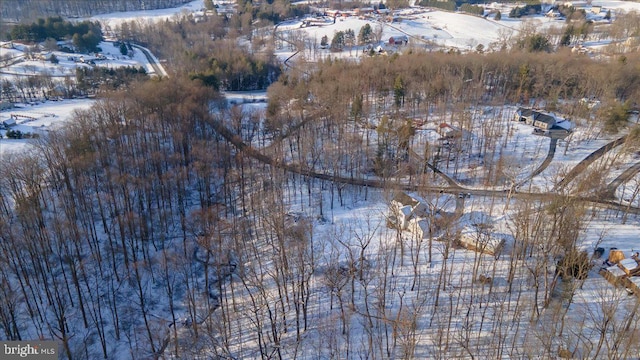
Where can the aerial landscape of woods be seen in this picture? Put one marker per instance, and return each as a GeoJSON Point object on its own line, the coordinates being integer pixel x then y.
{"type": "Point", "coordinates": [328, 220]}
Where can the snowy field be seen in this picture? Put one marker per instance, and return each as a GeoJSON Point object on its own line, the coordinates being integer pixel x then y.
{"type": "Point", "coordinates": [69, 62]}
{"type": "Point", "coordinates": [111, 20]}
{"type": "Point", "coordinates": [37, 119]}
{"type": "Point", "coordinates": [436, 29]}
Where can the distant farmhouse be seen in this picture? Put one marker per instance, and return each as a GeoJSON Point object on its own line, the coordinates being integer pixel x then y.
{"type": "Point", "coordinates": [452, 132]}
{"type": "Point", "coordinates": [398, 40]}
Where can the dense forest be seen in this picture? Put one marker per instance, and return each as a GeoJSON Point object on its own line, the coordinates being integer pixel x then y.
{"type": "Point", "coordinates": [163, 222]}
{"type": "Point", "coordinates": [85, 35]}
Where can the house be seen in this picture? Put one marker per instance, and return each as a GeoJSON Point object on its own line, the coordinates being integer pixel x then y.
{"type": "Point", "coordinates": [413, 214]}
{"type": "Point", "coordinates": [333, 13]}
{"type": "Point", "coordinates": [480, 240]}
{"type": "Point", "coordinates": [525, 115]}
{"type": "Point", "coordinates": [44, 56]}
{"type": "Point", "coordinates": [629, 266]}
{"type": "Point", "coordinates": [621, 271]}
{"type": "Point", "coordinates": [398, 40]}
{"type": "Point", "coordinates": [403, 215]}
{"type": "Point", "coordinates": [451, 132]}
{"type": "Point", "coordinates": [419, 227]}
{"type": "Point", "coordinates": [364, 11]}
{"type": "Point", "coordinates": [544, 121]}
{"type": "Point", "coordinates": [401, 210]}
{"type": "Point", "coordinates": [613, 274]}
{"type": "Point", "coordinates": [536, 118]}
{"type": "Point", "coordinates": [9, 122]}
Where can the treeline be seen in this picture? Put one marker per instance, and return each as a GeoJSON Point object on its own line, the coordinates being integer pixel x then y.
{"type": "Point", "coordinates": [472, 9]}
{"type": "Point", "coordinates": [91, 79]}
{"type": "Point", "coordinates": [209, 50]}
{"type": "Point", "coordinates": [528, 9]}
{"type": "Point", "coordinates": [86, 35]}
{"type": "Point", "coordinates": [276, 11]}
{"type": "Point", "coordinates": [21, 10]}
{"type": "Point", "coordinates": [446, 5]}
{"type": "Point", "coordinates": [237, 70]}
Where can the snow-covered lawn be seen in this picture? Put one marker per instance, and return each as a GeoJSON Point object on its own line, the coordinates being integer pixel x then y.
{"type": "Point", "coordinates": [37, 119]}
{"type": "Point", "coordinates": [68, 62]}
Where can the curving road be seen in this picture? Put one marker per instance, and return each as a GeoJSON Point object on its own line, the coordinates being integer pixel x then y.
{"type": "Point", "coordinates": [545, 163]}
{"type": "Point", "coordinates": [452, 183]}
{"type": "Point", "coordinates": [582, 165]}
{"type": "Point", "coordinates": [157, 68]}
{"type": "Point", "coordinates": [281, 38]}
{"type": "Point", "coordinates": [610, 189]}
{"type": "Point", "coordinates": [375, 183]}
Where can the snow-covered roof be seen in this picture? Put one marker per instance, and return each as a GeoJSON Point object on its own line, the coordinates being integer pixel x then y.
{"type": "Point", "coordinates": [635, 280]}
{"type": "Point", "coordinates": [615, 271]}
{"type": "Point", "coordinates": [406, 210]}
{"type": "Point", "coordinates": [480, 240]}
{"type": "Point", "coordinates": [628, 265]}
{"type": "Point", "coordinates": [422, 224]}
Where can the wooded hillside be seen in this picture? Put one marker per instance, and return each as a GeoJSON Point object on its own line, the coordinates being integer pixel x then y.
{"type": "Point", "coordinates": [22, 10]}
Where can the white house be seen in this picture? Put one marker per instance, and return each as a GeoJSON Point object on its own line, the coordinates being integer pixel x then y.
{"type": "Point", "coordinates": [419, 227]}
{"type": "Point", "coordinates": [400, 214]}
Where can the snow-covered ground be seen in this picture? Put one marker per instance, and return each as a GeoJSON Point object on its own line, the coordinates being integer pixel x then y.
{"type": "Point", "coordinates": [69, 62]}
{"type": "Point", "coordinates": [111, 20]}
{"type": "Point", "coordinates": [433, 28]}
{"type": "Point", "coordinates": [37, 119]}
{"type": "Point", "coordinates": [340, 229]}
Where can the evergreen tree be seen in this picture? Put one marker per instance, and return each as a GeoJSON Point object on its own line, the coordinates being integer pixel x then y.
{"type": "Point", "coordinates": [337, 43]}
{"type": "Point", "coordinates": [365, 35]}
{"type": "Point", "coordinates": [567, 36]}
{"type": "Point", "coordinates": [324, 41]}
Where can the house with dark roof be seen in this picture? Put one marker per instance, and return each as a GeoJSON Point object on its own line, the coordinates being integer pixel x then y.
{"type": "Point", "coordinates": [525, 115]}
{"type": "Point", "coordinates": [538, 119]}
{"type": "Point", "coordinates": [544, 121]}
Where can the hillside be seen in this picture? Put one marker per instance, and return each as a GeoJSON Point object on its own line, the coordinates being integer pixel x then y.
{"type": "Point", "coordinates": [383, 188]}
{"type": "Point", "coordinates": [25, 10]}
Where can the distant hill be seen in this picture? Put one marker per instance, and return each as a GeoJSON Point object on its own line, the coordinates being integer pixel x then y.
{"type": "Point", "coordinates": [28, 10]}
